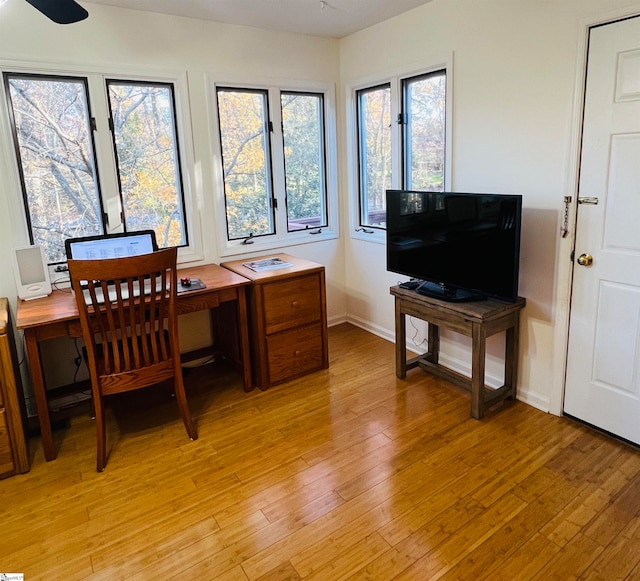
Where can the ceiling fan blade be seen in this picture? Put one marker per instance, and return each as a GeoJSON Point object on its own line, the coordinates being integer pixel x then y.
{"type": "Point", "coordinates": [60, 11]}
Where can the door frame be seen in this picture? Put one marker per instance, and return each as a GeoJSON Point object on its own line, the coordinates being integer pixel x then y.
{"type": "Point", "coordinates": [572, 175]}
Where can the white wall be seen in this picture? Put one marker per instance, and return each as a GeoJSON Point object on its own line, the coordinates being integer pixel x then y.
{"type": "Point", "coordinates": [113, 37]}
{"type": "Point", "coordinates": [515, 71]}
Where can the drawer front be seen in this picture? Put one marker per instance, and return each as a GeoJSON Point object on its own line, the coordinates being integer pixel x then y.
{"type": "Point", "coordinates": [291, 303]}
{"type": "Point", "coordinates": [7, 466]}
{"type": "Point", "coordinates": [294, 353]}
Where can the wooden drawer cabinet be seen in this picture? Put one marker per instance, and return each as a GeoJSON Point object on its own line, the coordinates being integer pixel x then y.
{"type": "Point", "coordinates": [13, 448]}
{"type": "Point", "coordinates": [288, 319]}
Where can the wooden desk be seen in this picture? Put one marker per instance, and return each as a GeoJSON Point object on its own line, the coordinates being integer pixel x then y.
{"type": "Point", "coordinates": [477, 320]}
{"type": "Point", "coordinates": [57, 316]}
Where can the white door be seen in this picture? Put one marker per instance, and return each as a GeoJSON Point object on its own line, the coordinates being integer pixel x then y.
{"type": "Point", "coordinates": [603, 366]}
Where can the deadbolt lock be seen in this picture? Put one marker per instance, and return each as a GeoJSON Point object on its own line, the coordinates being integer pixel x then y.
{"type": "Point", "coordinates": [585, 260]}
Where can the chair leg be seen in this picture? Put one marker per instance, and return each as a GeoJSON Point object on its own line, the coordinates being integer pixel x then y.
{"type": "Point", "coordinates": [101, 433]}
{"type": "Point", "coordinates": [183, 406]}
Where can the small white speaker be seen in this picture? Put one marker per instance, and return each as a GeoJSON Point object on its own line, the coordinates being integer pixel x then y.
{"type": "Point", "coordinates": [31, 272]}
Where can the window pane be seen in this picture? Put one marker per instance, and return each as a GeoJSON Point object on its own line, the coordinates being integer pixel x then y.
{"type": "Point", "coordinates": [374, 151]}
{"type": "Point", "coordinates": [51, 128]}
{"type": "Point", "coordinates": [144, 131]}
{"type": "Point", "coordinates": [424, 136]}
{"type": "Point", "coordinates": [303, 136]}
{"type": "Point", "coordinates": [245, 157]}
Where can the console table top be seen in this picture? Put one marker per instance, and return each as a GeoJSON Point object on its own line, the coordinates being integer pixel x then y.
{"type": "Point", "coordinates": [479, 310]}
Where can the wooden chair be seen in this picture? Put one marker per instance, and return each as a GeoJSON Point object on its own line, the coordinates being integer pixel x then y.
{"type": "Point", "coordinates": [131, 337]}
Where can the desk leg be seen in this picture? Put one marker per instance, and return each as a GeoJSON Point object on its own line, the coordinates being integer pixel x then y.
{"type": "Point", "coordinates": [243, 328]}
{"type": "Point", "coordinates": [39, 390]}
{"type": "Point", "coordinates": [478, 347]}
{"type": "Point", "coordinates": [401, 342]}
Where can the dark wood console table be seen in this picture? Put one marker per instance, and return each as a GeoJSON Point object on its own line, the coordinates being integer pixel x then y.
{"type": "Point", "coordinates": [477, 320]}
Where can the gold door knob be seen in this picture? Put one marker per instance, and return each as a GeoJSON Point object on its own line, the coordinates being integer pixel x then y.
{"type": "Point", "coordinates": [585, 260]}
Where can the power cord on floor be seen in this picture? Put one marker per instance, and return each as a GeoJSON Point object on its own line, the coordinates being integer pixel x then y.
{"type": "Point", "coordinates": [415, 335]}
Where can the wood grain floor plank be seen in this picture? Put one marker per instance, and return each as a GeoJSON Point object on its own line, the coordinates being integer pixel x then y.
{"type": "Point", "coordinates": [508, 538]}
{"type": "Point", "coordinates": [354, 558]}
{"type": "Point", "coordinates": [285, 571]}
{"type": "Point", "coordinates": [573, 560]}
{"type": "Point", "coordinates": [620, 558]}
{"type": "Point", "coordinates": [422, 542]}
{"type": "Point", "coordinates": [467, 540]}
{"type": "Point", "coordinates": [526, 561]}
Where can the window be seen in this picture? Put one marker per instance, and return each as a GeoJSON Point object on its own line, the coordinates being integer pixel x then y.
{"type": "Point", "coordinates": [374, 152]}
{"type": "Point", "coordinates": [275, 169]}
{"type": "Point", "coordinates": [244, 134]}
{"type": "Point", "coordinates": [424, 121]}
{"type": "Point", "coordinates": [64, 196]}
{"type": "Point", "coordinates": [304, 160]}
{"type": "Point", "coordinates": [56, 154]}
{"type": "Point", "coordinates": [143, 125]}
{"type": "Point", "coordinates": [401, 129]}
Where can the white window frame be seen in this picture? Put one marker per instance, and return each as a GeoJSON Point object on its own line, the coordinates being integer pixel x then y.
{"type": "Point", "coordinates": [282, 238]}
{"type": "Point", "coordinates": [379, 235]}
{"type": "Point", "coordinates": [104, 149]}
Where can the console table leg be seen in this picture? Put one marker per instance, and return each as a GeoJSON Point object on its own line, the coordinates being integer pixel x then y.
{"type": "Point", "coordinates": [511, 359]}
{"type": "Point", "coordinates": [478, 347]}
{"type": "Point", "coordinates": [433, 339]}
{"type": "Point", "coordinates": [401, 343]}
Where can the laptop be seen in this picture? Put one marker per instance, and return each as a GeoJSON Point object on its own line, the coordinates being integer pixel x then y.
{"type": "Point", "coordinates": [107, 246]}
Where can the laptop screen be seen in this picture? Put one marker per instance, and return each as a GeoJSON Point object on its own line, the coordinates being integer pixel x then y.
{"type": "Point", "coordinates": [111, 245]}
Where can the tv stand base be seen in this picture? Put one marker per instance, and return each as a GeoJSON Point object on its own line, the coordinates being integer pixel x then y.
{"type": "Point", "coordinates": [477, 320]}
{"type": "Point", "coordinates": [444, 293]}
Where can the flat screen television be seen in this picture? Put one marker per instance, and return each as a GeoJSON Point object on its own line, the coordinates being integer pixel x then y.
{"type": "Point", "coordinates": [455, 246]}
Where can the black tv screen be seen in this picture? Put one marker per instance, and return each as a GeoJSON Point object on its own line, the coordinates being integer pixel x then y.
{"type": "Point", "coordinates": [457, 246]}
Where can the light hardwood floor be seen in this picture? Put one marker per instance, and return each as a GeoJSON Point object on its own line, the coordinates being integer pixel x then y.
{"type": "Point", "coordinates": [347, 473]}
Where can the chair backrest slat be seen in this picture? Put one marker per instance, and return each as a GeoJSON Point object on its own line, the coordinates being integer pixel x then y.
{"type": "Point", "coordinates": [130, 322]}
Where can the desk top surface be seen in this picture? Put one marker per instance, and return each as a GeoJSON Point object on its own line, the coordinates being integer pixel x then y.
{"type": "Point", "coordinates": [60, 305]}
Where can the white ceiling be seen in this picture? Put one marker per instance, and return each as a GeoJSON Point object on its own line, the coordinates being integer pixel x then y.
{"type": "Point", "coordinates": [330, 18]}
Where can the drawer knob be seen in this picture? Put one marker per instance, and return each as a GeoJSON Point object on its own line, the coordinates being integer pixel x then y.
{"type": "Point", "coordinates": [297, 353]}
{"type": "Point", "coordinates": [295, 304]}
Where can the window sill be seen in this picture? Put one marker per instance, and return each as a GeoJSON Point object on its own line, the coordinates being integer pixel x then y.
{"type": "Point", "coordinates": [264, 245]}
{"type": "Point", "coordinates": [370, 235]}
